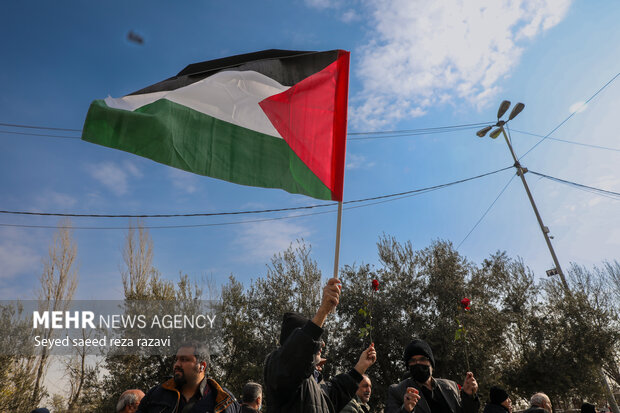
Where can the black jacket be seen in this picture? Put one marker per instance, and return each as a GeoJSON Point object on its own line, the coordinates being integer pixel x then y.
{"type": "Point", "coordinates": [164, 398]}
{"type": "Point", "coordinates": [458, 401]}
{"type": "Point", "coordinates": [290, 386]}
{"type": "Point", "coordinates": [494, 408]}
{"type": "Point", "coordinates": [535, 409]}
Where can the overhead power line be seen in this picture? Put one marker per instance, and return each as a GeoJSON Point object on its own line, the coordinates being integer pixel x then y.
{"type": "Point", "coordinates": [486, 212]}
{"type": "Point", "coordinates": [571, 115]}
{"type": "Point", "coordinates": [589, 145]}
{"type": "Point", "coordinates": [352, 135]}
{"type": "Point", "coordinates": [368, 202]}
{"type": "Point", "coordinates": [591, 189]}
{"type": "Point", "coordinates": [39, 134]}
{"type": "Point", "coordinates": [15, 125]}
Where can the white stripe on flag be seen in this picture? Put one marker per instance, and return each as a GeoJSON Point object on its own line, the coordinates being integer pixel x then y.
{"type": "Point", "coordinates": [231, 96]}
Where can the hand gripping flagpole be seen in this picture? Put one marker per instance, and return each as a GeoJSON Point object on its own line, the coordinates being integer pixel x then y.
{"type": "Point", "coordinates": [338, 225]}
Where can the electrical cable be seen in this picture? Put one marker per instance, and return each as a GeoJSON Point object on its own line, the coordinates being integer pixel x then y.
{"type": "Point", "coordinates": [486, 212]}
{"type": "Point", "coordinates": [398, 194]}
{"type": "Point", "coordinates": [378, 199]}
{"type": "Point", "coordinates": [571, 115]}
{"type": "Point", "coordinates": [39, 134]}
{"type": "Point", "coordinates": [380, 134]}
{"type": "Point", "coordinates": [589, 145]}
{"type": "Point", "coordinates": [15, 125]}
{"type": "Point", "coordinates": [591, 189]}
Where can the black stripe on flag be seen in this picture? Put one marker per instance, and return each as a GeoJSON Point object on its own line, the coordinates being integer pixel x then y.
{"type": "Point", "coordinates": [287, 67]}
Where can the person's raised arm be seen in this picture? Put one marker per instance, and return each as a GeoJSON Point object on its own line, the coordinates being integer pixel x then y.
{"type": "Point", "coordinates": [331, 297]}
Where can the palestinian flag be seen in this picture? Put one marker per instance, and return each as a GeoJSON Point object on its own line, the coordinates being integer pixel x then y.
{"type": "Point", "coordinates": [274, 119]}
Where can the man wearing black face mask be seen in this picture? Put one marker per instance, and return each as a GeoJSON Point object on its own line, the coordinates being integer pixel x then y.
{"type": "Point", "coordinates": [422, 393]}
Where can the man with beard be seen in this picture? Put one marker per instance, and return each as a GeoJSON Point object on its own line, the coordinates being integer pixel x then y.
{"type": "Point", "coordinates": [291, 376]}
{"type": "Point", "coordinates": [189, 391]}
{"type": "Point", "coordinates": [424, 393]}
{"type": "Point", "coordinates": [359, 404]}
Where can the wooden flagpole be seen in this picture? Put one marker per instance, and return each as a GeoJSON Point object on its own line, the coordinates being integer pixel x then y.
{"type": "Point", "coordinates": [338, 225]}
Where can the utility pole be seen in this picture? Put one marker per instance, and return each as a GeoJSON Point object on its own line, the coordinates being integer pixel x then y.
{"type": "Point", "coordinates": [544, 229]}
{"type": "Point", "coordinates": [521, 171]}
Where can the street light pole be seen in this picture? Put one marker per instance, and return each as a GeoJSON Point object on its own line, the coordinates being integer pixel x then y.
{"type": "Point", "coordinates": [545, 230]}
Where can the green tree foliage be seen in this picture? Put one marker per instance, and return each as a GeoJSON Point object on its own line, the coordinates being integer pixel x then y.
{"type": "Point", "coordinates": [525, 335]}
{"type": "Point", "coordinates": [419, 296]}
{"type": "Point", "coordinates": [252, 316]}
{"type": "Point", "coordinates": [18, 373]}
{"type": "Point", "coordinates": [143, 282]}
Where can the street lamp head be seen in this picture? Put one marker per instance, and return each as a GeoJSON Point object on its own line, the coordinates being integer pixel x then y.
{"type": "Point", "coordinates": [495, 133]}
{"type": "Point", "coordinates": [516, 110]}
{"type": "Point", "coordinates": [483, 131]}
{"type": "Point", "coordinates": [503, 107]}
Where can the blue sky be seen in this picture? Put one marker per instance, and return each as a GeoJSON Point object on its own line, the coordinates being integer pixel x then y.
{"type": "Point", "coordinates": [414, 64]}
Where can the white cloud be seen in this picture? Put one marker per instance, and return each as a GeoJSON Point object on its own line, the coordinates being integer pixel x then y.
{"type": "Point", "coordinates": [57, 199]}
{"type": "Point", "coordinates": [357, 162]}
{"type": "Point", "coordinates": [261, 240]}
{"type": "Point", "coordinates": [320, 4]}
{"type": "Point", "coordinates": [183, 180]}
{"type": "Point", "coordinates": [16, 256]}
{"type": "Point", "coordinates": [422, 53]}
{"type": "Point", "coordinates": [132, 169]}
{"type": "Point", "coordinates": [349, 16]}
{"type": "Point", "coordinates": [113, 176]}
{"type": "Point", "coordinates": [577, 107]}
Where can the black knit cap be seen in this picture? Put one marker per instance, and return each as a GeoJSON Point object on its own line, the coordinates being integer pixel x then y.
{"type": "Point", "coordinates": [497, 395]}
{"type": "Point", "coordinates": [588, 408]}
{"type": "Point", "coordinates": [418, 348]}
{"type": "Point", "coordinates": [291, 321]}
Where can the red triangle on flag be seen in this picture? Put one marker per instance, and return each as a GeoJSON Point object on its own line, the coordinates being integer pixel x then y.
{"type": "Point", "coordinates": [311, 116]}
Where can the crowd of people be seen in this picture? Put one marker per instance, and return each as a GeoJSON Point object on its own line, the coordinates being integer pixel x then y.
{"type": "Point", "coordinates": [293, 381]}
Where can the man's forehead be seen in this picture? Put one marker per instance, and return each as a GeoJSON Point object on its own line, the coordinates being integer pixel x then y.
{"type": "Point", "coordinates": [185, 352]}
{"type": "Point", "coordinates": [365, 381]}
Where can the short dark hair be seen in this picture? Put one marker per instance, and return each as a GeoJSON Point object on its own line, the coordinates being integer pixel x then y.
{"type": "Point", "coordinates": [201, 351]}
{"type": "Point", "coordinates": [251, 392]}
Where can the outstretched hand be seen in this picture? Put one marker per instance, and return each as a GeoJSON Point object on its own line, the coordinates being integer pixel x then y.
{"type": "Point", "coordinates": [331, 298]}
{"type": "Point", "coordinates": [410, 399]}
{"type": "Point", "coordinates": [470, 385]}
{"type": "Point", "coordinates": [367, 359]}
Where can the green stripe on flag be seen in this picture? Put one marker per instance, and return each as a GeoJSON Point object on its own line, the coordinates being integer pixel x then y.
{"type": "Point", "coordinates": [181, 137]}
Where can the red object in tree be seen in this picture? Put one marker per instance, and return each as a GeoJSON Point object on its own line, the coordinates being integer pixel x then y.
{"type": "Point", "coordinates": [375, 285]}
{"type": "Point", "coordinates": [465, 303]}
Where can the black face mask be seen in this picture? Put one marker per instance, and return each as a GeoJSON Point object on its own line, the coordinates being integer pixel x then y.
{"type": "Point", "coordinates": [420, 372]}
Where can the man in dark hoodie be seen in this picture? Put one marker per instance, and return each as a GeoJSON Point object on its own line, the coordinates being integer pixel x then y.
{"type": "Point", "coordinates": [291, 378]}
{"type": "Point", "coordinates": [499, 402]}
{"type": "Point", "coordinates": [422, 393]}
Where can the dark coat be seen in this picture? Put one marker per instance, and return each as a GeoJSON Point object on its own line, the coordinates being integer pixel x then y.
{"type": "Point", "coordinates": [494, 408]}
{"type": "Point", "coordinates": [164, 398]}
{"type": "Point", "coordinates": [247, 409]}
{"type": "Point", "coordinates": [290, 386]}
{"type": "Point", "coordinates": [356, 406]}
{"type": "Point", "coordinates": [535, 409]}
{"type": "Point", "coordinates": [458, 401]}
